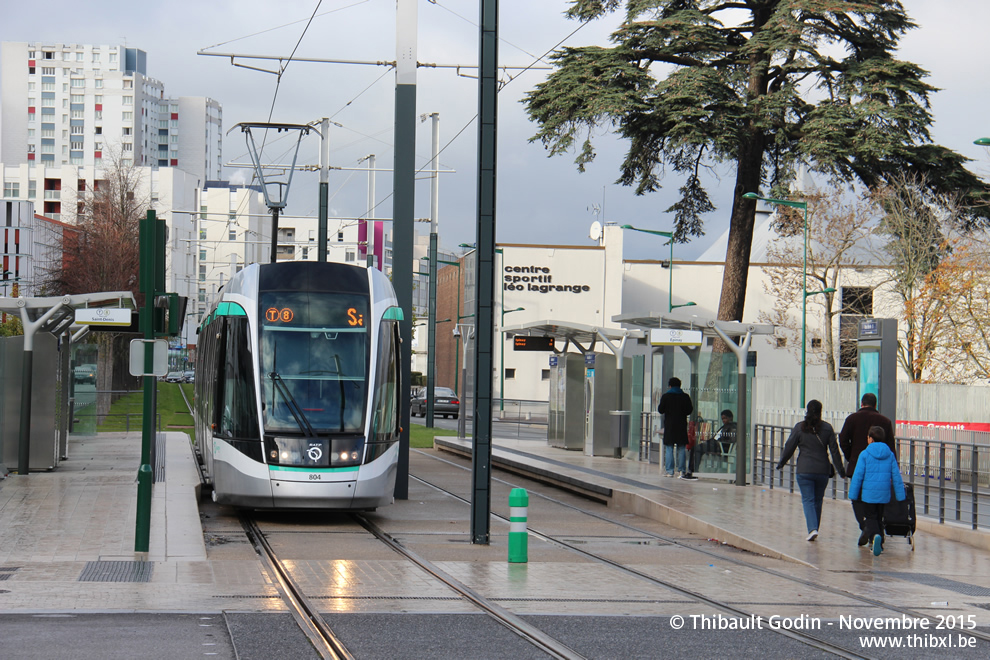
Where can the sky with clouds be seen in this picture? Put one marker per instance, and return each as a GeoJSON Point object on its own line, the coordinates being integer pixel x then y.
{"type": "Point", "coordinates": [541, 200]}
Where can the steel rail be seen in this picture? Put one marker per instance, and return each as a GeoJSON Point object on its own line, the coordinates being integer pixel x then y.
{"type": "Point", "coordinates": [804, 638]}
{"type": "Point", "coordinates": [530, 633]}
{"type": "Point", "coordinates": [307, 617]}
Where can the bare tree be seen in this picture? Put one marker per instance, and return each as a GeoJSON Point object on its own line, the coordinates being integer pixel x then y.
{"type": "Point", "coordinates": [960, 286]}
{"type": "Point", "coordinates": [103, 255]}
{"type": "Point", "coordinates": [919, 232]}
{"type": "Point", "coordinates": [837, 230]}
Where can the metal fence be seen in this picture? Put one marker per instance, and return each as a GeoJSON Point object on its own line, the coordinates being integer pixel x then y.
{"type": "Point", "coordinates": [80, 421]}
{"type": "Point", "coordinates": [951, 479]}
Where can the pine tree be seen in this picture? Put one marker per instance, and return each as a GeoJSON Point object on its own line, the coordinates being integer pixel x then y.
{"type": "Point", "coordinates": [766, 84]}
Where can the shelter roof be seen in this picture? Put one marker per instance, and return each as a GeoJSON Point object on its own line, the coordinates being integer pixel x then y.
{"type": "Point", "coordinates": [683, 321]}
{"type": "Point", "coordinates": [575, 332]}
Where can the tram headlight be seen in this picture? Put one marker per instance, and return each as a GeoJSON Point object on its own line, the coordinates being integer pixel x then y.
{"type": "Point", "coordinates": [345, 452]}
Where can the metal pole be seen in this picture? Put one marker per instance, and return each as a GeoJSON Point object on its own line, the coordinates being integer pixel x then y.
{"type": "Point", "coordinates": [670, 274]}
{"type": "Point", "coordinates": [461, 416]}
{"type": "Point", "coordinates": [370, 222]}
{"type": "Point", "coordinates": [804, 310]}
{"type": "Point", "coordinates": [403, 200]}
{"type": "Point", "coordinates": [501, 346]}
{"type": "Point", "coordinates": [481, 475]}
{"type": "Point", "coordinates": [148, 268]}
{"type": "Point", "coordinates": [456, 354]}
{"type": "Point", "coordinates": [431, 350]}
{"type": "Point", "coordinates": [321, 232]}
{"type": "Point", "coordinates": [274, 235]}
{"type": "Point", "coordinates": [24, 441]}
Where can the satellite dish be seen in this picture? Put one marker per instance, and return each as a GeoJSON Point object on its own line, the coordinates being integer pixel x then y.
{"type": "Point", "coordinates": [595, 233]}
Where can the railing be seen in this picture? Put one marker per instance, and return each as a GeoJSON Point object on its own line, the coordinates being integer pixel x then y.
{"type": "Point", "coordinates": [518, 418]}
{"type": "Point", "coordinates": [101, 419]}
{"type": "Point", "coordinates": [951, 479]}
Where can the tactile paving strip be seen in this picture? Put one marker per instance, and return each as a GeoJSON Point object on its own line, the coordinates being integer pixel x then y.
{"type": "Point", "coordinates": [930, 580]}
{"type": "Point", "coordinates": [159, 458]}
{"type": "Point", "coordinates": [117, 571]}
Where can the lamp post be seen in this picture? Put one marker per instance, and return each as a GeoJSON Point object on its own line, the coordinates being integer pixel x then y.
{"type": "Point", "coordinates": [466, 336]}
{"type": "Point", "coordinates": [501, 355]}
{"type": "Point", "coordinates": [983, 142]}
{"type": "Point", "coordinates": [670, 284]}
{"type": "Point", "coordinates": [501, 351]}
{"type": "Point", "coordinates": [429, 394]}
{"type": "Point", "coordinates": [804, 284]}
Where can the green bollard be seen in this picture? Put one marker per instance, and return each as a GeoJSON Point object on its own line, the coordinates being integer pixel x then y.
{"type": "Point", "coordinates": [518, 536]}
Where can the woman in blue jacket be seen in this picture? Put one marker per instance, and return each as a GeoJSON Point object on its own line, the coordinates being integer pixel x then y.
{"type": "Point", "coordinates": [876, 470]}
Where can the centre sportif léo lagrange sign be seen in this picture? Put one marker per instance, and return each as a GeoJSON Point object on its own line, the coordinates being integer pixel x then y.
{"type": "Point", "coordinates": [537, 279]}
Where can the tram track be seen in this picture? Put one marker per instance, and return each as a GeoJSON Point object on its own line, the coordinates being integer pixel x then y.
{"type": "Point", "coordinates": [728, 608]}
{"type": "Point", "coordinates": [303, 611]}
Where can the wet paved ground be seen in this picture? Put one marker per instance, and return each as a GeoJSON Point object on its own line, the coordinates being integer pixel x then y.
{"type": "Point", "coordinates": [62, 532]}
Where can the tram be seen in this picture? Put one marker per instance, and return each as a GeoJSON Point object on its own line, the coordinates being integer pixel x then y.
{"type": "Point", "coordinates": [297, 388]}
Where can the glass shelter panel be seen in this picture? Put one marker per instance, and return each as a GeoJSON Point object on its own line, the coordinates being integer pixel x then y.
{"type": "Point", "coordinates": [714, 390]}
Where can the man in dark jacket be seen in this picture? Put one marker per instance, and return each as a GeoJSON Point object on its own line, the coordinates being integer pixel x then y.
{"type": "Point", "coordinates": [675, 406]}
{"type": "Point", "coordinates": [853, 440]}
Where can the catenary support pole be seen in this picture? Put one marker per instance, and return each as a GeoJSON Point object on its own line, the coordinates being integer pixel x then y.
{"type": "Point", "coordinates": [403, 199]}
{"type": "Point", "coordinates": [431, 350]}
{"type": "Point", "coordinates": [481, 458]}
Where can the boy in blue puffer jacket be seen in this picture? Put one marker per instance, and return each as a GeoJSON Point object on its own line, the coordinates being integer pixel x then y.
{"type": "Point", "coordinates": [876, 471]}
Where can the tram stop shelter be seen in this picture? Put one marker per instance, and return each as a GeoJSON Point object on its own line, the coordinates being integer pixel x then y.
{"type": "Point", "coordinates": [595, 396]}
{"type": "Point", "coordinates": [38, 401]}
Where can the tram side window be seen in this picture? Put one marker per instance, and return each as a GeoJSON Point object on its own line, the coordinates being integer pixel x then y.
{"type": "Point", "coordinates": [238, 417]}
{"type": "Point", "coordinates": [385, 422]}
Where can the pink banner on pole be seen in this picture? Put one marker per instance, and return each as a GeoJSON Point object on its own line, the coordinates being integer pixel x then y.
{"type": "Point", "coordinates": [379, 246]}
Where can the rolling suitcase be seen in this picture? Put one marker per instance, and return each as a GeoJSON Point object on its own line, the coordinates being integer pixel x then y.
{"type": "Point", "coordinates": [899, 518]}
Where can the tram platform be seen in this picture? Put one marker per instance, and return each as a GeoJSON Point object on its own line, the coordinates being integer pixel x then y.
{"type": "Point", "coordinates": [758, 519]}
{"type": "Point", "coordinates": [67, 536]}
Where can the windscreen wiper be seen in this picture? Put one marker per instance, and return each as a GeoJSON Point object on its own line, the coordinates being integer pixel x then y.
{"type": "Point", "coordinates": [343, 395]}
{"type": "Point", "coordinates": [294, 408]}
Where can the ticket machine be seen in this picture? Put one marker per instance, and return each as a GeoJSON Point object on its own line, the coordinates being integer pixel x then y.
{"type": "Point", "coordinates": [876, 361]}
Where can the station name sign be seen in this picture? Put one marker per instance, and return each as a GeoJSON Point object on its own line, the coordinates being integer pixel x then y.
{"type": "Point", "coordinates": [103, 316]}
{"type": "Point", "coordinates": [674, 337]}
{"type": "Point", "coordinates": [525, 343]}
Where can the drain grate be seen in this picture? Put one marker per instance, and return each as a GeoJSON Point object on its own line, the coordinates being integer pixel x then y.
{"type": "Point", "coordinates": [930, 580]}
{"type": "Point", "coordinates": [117, 571]}
{"type": "Point", "coordinates": [4, 576]}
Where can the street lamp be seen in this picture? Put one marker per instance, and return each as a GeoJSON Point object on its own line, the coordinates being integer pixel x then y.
{"type": "Point", "coordinates": [670, 284]}
{"type": "Point", "coordinates": [429, 400]}
{"type": "Point", "coordinates": [804, 283]}
{"type": "Point", "coordinates": [466, 336]}
{"type": "Point", "coordinates": [501, 354]}
{"type": "Point", "coordinates": [983, 142]}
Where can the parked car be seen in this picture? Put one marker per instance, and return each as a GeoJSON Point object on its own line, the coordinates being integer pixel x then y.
{"type": "Point", "coordinates": [445, 403]}
{"type": "Point", "coordinates": [173, 377]}
{"type": "Point", "coordinates": [189, 376]}
{"type": "Point", "coordinates": [85, 373]}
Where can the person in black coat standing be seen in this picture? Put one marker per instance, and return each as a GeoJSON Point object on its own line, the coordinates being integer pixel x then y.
{"type": "Point", "coordinates": [853, 440]}
{"type": "Point", "coordinates": [816, 438]}
{"type": "Point", "coordinates": [675, 406]}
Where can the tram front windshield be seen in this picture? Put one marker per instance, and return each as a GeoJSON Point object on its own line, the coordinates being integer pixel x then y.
{"type": "Point", "coordinates": [314, 362]}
